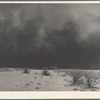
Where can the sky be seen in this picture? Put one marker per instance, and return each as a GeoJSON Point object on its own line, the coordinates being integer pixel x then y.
{"type": "Point", "coordinates": [44, 35]}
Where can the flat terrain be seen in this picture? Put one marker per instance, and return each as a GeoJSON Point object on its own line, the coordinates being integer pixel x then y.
{"type": "Point", "coordinates": [37, 80]}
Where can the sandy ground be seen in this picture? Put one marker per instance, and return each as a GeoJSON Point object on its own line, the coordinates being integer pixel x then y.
{"type": "Point", "coordinates": [16, 80]}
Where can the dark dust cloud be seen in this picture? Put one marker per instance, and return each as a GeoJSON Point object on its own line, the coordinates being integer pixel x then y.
{"type": "Point", "coordinates": [61, 35]}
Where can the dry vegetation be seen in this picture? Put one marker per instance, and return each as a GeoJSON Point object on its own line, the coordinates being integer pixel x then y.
{"type": "Point", "coordinates": [86, 79]}
{"type": "Point", "coordinates": [49, 79]}
{"type": "Point", "coordinates": [26, 71]}
{"type": "Point", "coordinates": [45, 72]}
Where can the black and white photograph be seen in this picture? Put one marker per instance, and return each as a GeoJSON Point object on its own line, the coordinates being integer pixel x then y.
{"type": "Point", "coordinates": [49, 47]}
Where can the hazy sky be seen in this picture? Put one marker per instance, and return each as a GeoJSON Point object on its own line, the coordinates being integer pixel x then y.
{"type": "Point", "coordinates": [66, 35]}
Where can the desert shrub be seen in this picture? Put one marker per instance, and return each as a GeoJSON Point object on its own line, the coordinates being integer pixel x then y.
{"type": "Point", "coordinates": [45, 72]}
{"type": "Point", "coordinates": [26, 71]}
{"type": "Point", "coordinates": [53, 68]}
{"type": "Point", "coordinates": [76, 75]}
{"type": "Point", "coordinates": [68, 79]}
{"type": "Point", "coordinates": [88, 78]}
{"type": "Point", "coordinates": [82, 81]}
{"type": "Point", "coordinates": [92, 79]}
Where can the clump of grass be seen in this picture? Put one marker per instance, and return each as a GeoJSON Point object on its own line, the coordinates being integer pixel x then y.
{"type": "Point", "coordinates": [45, 72]}
{"type": "Point", "coordinates": [53, 68]}
{"type": "Point", "coordinates": [26, 71]}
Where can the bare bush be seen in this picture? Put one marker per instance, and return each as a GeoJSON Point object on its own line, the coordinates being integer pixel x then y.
{"type": "Point", "coordinates": [46, 72]}
{"type": "Point", "coordinates": [88, 78]}
{"type": "Point", "coordinates": [26, 71]}
{"type": "Point", "coordinates": [91, 79]}
{"type": "Point", "coordinates": [76, 75]}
